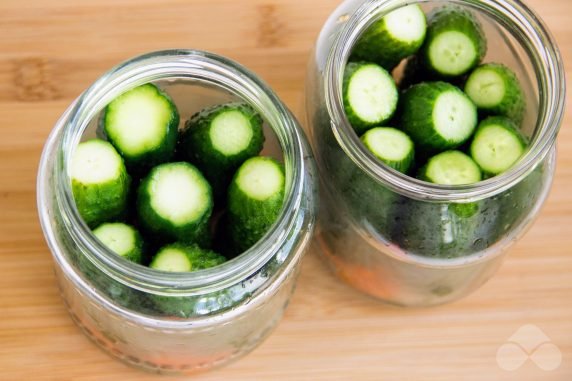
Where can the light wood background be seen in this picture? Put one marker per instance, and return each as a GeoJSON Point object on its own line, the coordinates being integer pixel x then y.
{"type": "Point", "coordinates": [50, 50]}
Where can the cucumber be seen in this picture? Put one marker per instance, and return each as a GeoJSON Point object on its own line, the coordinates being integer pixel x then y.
{"type": "Point", "coordinates": [122, 239]}
{"type": "Point", "coordinates": [495, 89]}
{"type": "Point", "coordinates": [391, 146]}
{"type": "Point", "coordinates": [100, 182]}
{"type": "Point", "coordinates": [451, 168]}
{"type": "Point", "coordinates": [497, 145]}
{"type": "Point", "coordinates": [218, 139]}
{"type": "Point", "coordinates": [395, 36]}
{"type": "Point", "coordinates": [178, 257]}
{"type": "Point", "coordinates": [255, 198]}
{"type": "Point", "coordinates": [437, 116]}
{"type": "Point", "coordinates": [175, 202]}
{"type": "Point", "coordinates": [370, 95]}
{"type": "Point", "coordinates": [142, 124]}
{"type": "Point", "coordinates": [455, 42]}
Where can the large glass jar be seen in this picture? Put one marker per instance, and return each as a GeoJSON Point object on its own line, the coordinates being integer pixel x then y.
{"type": "Point", "coordinates": [406, 241]}
{"type": "Point", "coordinates": [177, 322]}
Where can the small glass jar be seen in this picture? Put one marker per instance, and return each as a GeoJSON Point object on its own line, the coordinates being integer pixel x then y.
{"type": "Point", "coordinates": [406, 241]}
{"type": "Point", "coordinates": [177, 322]}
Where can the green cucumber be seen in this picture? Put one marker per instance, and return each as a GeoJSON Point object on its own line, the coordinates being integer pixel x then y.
{"type": "Point", "coordinates": [391, 146]}
{"type": "Point", "coordinates": [255, 198]}
{"type": "Point", "coordinates": [495, 89]}
{"type": "Point", "coordinates": [455, 42]}
{"type": "Point", "coordinates": [451, 168]}
{"type": "Point", "coordinates": [395, 36]}
{"type": "Point", "coordinates": [370, 95]}
{"type": "Point", "coordinates": [219, 139]}
{"type": "Point", "coordinates": [100, 182]}
{"type": "Point", "coordinates": [437, 115]}
{"type": "Point", "coordinates": [497, 145]}
{"type": "Point", "coordinates": [175, 202]}
{"type": "Point", "coordinates": [142, 124]}
{"type": "Point", "coordinates": [122, 239]}
{"type": "Point", "coordinates": [178, 257]}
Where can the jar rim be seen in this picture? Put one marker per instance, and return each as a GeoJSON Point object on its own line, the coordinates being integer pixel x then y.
{"type": "Point", "coordinates": [189, 64]}
{"type": "Point", "coordinates": [538, 44]}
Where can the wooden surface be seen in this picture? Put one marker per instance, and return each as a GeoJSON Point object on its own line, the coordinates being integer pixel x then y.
{"type": "Point", "coordinates": [50, 50]}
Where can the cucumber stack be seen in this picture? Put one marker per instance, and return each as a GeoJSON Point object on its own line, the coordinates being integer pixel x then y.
{"type": "Point", "coordinates": [166, 221]}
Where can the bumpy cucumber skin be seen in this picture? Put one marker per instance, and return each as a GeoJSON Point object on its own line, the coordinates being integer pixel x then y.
{"type": "Point", "coordinates": [359, 125]}
{"type": "Point", "coordinates": [402, 166]}
{"type": "Point", "coordinates": [98, 203]}
{"type": "Point", "coordinates": [416, 115]}
{"type": "Point", "coordinates": [195, 145]}
{"type": "Point", "coordinates": [136, 253]}
{"type": "Point", "coordinates": [199, 258]}
{"type": "Point", "coordinates": [513, 104]}
{"type": "Point", "coordinates": [249, 219]}
{"type": "Point", "coordinates": [452, 18]}
{"type": "Point", "coordinates": [196, 231]}
{"type": "Point", "coordinates": [377, 45]}
{"type": "Point", "coordinates": [140, 164]}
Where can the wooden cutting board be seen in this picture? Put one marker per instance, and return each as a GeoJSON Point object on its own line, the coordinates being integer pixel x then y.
{"type": "Point", "coordinates": [50, 50]}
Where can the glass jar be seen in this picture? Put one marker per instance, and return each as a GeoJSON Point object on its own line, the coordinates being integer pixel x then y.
{"type": "Point", "coordinates": [177, 322]}
{"type": "Point", "coordinates": [406, 241]}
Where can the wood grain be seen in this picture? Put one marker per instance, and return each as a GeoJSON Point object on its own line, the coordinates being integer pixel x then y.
{"type": "Point", "coordinates": [51, 50]}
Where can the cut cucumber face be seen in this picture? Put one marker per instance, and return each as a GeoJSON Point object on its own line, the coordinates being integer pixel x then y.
{"type": "Point", "coordinates": [142, 124]}
{"type": "Point", "coordinates": [391, 146]}
{"type": "Point", "coordinates": [497, 145]}
{"type": "Point", "coordinates": [397, 35]}
{"type": "Point", "coordinates": [255, 198]}
{"type": "Point", "coordinates": [217, 140]}
{"type": "Point", "coordinates": [122, 239]}
{"type": "Point", "coordinates": [495, 89]}
{"type": "Point", "coordinates": [100, 183]}
{"type": "Point", "coordinates": [175, 201]}
{"type": "Point", "coordinates": [455, 42]}
{"type": "Point", "coordinates": [437, 115]}
{"type": "Point", "coordinates": [370, 95]}
{"type": "Point", "coordinates": [179, 257]}
{"type": "Point", "coordinates": [451, 168]}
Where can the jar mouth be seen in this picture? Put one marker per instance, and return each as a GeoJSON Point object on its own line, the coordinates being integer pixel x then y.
{"type": "Point", "coordinates": [529, 31]}
{"type": "Point", "coordinates": [202, 67]}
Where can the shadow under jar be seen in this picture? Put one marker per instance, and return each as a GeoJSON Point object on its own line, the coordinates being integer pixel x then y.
{"type": "Point", "coordinates": [177, 322]}
{"type": "Point", "coordinates": [409, 242]}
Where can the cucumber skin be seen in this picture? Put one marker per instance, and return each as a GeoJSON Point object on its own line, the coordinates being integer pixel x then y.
{"type": "Point", "coordinates": [452, 18]}
{"type": "Point", "coordinates": [192, 232]}
{"type": "Point", "coordinates": [513, 104]}
{"type": "Point", "coordinates": [416, 115]}
{"type": "Point", "coordinates": [200, 258]}
{"type": "Point", "coordinates": [140, 164]}
{"type": "Point", "coordinates": [358, 124]}
{"type": "Point", "coordinates": [377, 45]}
{"type": "Point", "coordinates": [195, 146]}
{"type": "Point", "coordinates": [250, 219]}
{"type": "Point", "coordinates": [99, 203]}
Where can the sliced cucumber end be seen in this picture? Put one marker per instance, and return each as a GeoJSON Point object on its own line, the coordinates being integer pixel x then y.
{"type": "Point", "coordinates": [391, 146]}
{"type": "Point", "coordinates": [231, 132]}
{"type": "Point", "coordinates": [118, 237]}
{"type": "Point", "coordinates": [452, 168]}
{"type": "Point", "coordinates": [407, 24]}
{"type": "Point", "coordinates": [260, 178]}
{"type": "Point", "coordinates": [95, 162]}
{"type": "Point", "coordinates": [454, 116]}
{"type": "Point", "coordinates": [496, 148]}
{"type": "Point", "coordinates": [452, 53]}
{"type": "Point", "coordinates": [485, 87]}
{"type": "Point", "coordinates": [172, 259]}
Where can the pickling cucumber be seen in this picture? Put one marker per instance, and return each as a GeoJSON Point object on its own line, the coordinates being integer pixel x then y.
{"type": "Point", "coordinates": [495, 89]}
{"type": "Point", "coordinates": [178, 257]}
{"type": "Point", "coordinates": [497, 145]}
{"type": "Point", "coordinates": [218, 139]}
{"type": "Point", "coordinates": [395, 36]}
{"type": "Point", "coordinates": [175, 202]}
{"type": "Point", "coordinates": [437, 115]}
{"type": "Point", "coordinates": [451, 168]}
{"type": "Point", "coordinates": [391, 146]}
{"type": "Point", "coordinates": [455, 42]}
{"type": "Point", "coordinates": [100, 182]}
{"type": "Point", "coordinates": [122, 239]}
{"type": "Point", "coordinates": [370, 95]}
{"type": "Point", "coordinates": [255, 198]}
{"type": "Point", "coordinates": [142, 124]}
